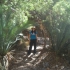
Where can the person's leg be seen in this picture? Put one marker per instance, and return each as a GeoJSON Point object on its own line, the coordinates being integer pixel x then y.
{"type": "Point", "coordinates": [34, 42]}
{"type": "Point", "coordinates": [30, 48]}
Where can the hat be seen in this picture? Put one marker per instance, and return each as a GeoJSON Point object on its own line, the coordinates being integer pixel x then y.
{"type": "Point", "coordinates": [29, 28]}
{"type": "Point", "coordinates": [33, 27]}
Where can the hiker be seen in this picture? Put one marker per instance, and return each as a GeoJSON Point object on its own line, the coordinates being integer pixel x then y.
{"type": "Point", "coordinates": [32, 40]}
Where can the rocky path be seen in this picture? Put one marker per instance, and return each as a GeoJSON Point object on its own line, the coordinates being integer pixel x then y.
{"type": "Point", "coordinates": [44, 59]}
{"type": "Point", "coordinates": [27, 62]}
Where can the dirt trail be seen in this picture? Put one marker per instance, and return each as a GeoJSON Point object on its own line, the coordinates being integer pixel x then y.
{"type": "Point", "coordinates": [44, 59]}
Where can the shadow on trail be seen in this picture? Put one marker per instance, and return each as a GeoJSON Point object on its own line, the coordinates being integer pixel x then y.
{"type": "Point", "coordinates": [44, 59]}
{"type": "Point", "coordinates": [28, 62]}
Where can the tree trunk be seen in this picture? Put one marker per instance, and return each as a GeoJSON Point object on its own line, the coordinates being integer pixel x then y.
{"type": "Point", "coordinates": [44, 32]}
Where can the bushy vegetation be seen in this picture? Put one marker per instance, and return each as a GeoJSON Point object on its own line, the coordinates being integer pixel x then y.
{"type": "Point", "coordinates": [55, 16]}
{"type": "Point", "coordinates": [58, 26]}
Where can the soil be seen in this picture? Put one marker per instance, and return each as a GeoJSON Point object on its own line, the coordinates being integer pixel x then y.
{"type": "Point", "coordinates": [44, 59]}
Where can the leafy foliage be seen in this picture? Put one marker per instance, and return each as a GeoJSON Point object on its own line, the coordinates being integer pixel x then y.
{"type": "Point", "coordinates": [58, 26]}
{"type": "Point", "coordinates": [55, 15]}
{"type": "Point", "coordinates": [11, 22]}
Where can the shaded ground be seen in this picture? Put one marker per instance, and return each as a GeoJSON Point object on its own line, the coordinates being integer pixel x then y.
{"type": "Point", "coordinates": [44, 59]}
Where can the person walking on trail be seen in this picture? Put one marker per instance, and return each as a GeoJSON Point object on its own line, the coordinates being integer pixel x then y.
{"type": "Point", "coordinates": [32, 40]}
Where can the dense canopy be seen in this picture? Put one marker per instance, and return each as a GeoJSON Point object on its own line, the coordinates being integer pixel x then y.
{"type": "Point", "coordinates": [17, 15]}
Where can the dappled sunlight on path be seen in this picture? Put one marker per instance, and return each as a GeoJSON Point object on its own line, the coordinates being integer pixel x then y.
{"type": "Point", "coordinates": [44, 59]}
{"type": "Point", "coordinates": [26, 62]}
